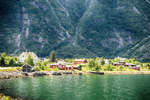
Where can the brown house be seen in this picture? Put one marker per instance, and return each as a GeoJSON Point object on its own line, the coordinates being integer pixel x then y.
{"type": "Point", "coordinates": [129, 65]}
{"type": "Point", "coordinates": [119, 63]}
{"type": "Point", "coordinates": [80, 61]}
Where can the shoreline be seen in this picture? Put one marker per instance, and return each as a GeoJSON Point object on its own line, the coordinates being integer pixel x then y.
{"type": "Point", "coordinates": [6, 97]}
{"type": "Point", "coordinates": [12, 75]}
{"type": "Point", "coordinates": [127, 73]}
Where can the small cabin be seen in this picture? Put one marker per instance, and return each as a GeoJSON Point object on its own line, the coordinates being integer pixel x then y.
{"type": "Point", "coordinates": [119, 63]}
{"type": "Point", "coordinates": [61, 66]}
{"type": "Point", "coordinates": [130, 65]}
{"type": "Point", "coordinates": [27, 68]}
{"type": "Point", "coordinates": [122, 62]}
{"type": "Point", "coordinates": [80, 61]}
{"type": "Point", "coordinates": [133, 66]}
{"type": "Point", "coordinates": [53, 66]}
{"type": "Point", "coordinates": [116, 64]}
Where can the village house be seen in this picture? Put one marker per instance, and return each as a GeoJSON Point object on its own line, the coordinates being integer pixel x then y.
{"type": "Point", "coordinates": [120, 63]}
{"type": "Point", "coordinates": [24, 55]}
{"type": "Point", "coordinates": [129, 65]}
{"type": "Point", "coordinates": [148, 66]}
{"type": "Point", "coordinates": [106, 61]}
{"type": "Point", "coordinates": [62, 65]}
{"type": "Point", "coordinates": [80, 61]}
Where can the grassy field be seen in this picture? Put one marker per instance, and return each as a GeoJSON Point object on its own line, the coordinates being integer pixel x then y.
{"type": "Point", "coordinates": [10, 69]}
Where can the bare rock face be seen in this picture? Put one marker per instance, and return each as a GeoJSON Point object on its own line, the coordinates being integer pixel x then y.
{"type": "Point", "coordinates": [74, 28]}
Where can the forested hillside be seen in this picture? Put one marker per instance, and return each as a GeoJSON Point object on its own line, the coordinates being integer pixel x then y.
{"type": "Point", "coordinates": [76, 28]}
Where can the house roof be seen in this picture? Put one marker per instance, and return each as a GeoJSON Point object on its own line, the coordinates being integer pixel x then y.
{"type": "Point", "coordinates": [130, 64]}
{"type": "Point", "coordinates": [79, 59]}
{"type": "Point", "coordinates": [116, 63]}
{"type": "Point", "coordinates": [25, 54]}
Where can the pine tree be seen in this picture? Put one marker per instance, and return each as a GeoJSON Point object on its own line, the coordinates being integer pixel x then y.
{"type": "Point", "coordinates": [2, 59]}
{"type": "Point", "coordinates": [12, 62]}
{"type": "Point", "coordinates": [29, 60]}
{"type": "Point", "coordinates": [52, 56]}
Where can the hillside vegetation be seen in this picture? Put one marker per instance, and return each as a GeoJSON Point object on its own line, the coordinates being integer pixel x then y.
{"type": "Point", "coordinates": [76, 28]}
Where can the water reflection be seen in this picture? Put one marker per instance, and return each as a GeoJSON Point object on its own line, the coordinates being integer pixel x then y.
{"type": "Point", "coordinates": [85, 87]}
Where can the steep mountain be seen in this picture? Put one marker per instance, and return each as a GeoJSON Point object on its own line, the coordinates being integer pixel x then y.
{"type": "Point", "coordinates": [141, 50]}
{"type": "Point", "coordinates": [75, 28]}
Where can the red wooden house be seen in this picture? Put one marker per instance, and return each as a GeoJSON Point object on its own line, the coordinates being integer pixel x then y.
{"type": "Point", "coordinates": [61, 66]}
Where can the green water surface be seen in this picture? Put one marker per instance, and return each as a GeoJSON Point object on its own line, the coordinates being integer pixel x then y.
{"type": "Point", "coordinates": [84, 87]}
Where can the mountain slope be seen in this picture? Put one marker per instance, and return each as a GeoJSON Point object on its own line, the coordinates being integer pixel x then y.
{"type": "Point", "coordinates": [106, 28]}
{"type": "Point", "coordinates": [141, 50]}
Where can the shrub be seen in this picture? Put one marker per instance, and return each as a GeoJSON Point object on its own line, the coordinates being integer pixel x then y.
{"type": "Point", "coordinates": [37, 68]}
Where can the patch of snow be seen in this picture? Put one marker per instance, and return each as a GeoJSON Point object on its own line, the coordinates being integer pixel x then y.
{"type": "Point", "coordinates": [26, 23]}
{"type": "Point", "coordinates": [130, 40]}
{"type": "Point", "coordinates": [148, 1]}
{"type": "Point", "coordinates": [92, 3]}
{"type": "Point", "coordinates": [34, 4]}
{"type": "Point", "coordinates": [120, 7]}
{"type": "Point", "coordinates": [68, 35]}
{"type": "Point", "coordinates": [18, 40]}
{"type": "Point", "coordinates": [40, 39]}
{"type": "Point", "coordinates": [136, 10]}
{"type": "Point", "coordinates": [64, 9]}
{"type": "Point", "coordinates": [120, 39]}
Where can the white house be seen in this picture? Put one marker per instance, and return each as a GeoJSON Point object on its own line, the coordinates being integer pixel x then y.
{"type": "Point", "coordinates": [24, 55]}
{"type": "Point", "coordinates": [106, 61]}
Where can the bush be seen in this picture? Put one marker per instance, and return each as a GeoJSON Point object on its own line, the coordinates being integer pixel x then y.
{"type": "Point", "coordinates": [108, 68]}
{"type": "Point", "coordinates": [37, 68]}
{"type": "Point", "coordinates": [93, 65]}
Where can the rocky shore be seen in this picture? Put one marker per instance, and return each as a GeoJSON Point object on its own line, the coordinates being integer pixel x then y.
{"type": "Point", "coordinates": [11, 75]}
{"type": "Point", "coordinates": [127, 73]}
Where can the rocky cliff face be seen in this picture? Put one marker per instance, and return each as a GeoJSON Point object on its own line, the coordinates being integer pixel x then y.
{"type": "Point", "coordinates": [74, 28]}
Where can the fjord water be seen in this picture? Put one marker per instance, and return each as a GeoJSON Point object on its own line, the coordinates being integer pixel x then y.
{"type": "Point", "coordinates": [84, 87]}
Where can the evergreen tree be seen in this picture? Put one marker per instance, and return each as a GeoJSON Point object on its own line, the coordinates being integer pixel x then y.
{"type": "Point", "coordinates": [12, 62]}
{"type": "Point", "coordinates": [52, 56]}
{"type": "Point", "coordinates": [29, 60]}
{"type": "Point", "coordinates": [92, 63]}
{"type": "Point", "coordinates": [2, 59]}
{"type": "Point", "coordinates": [102, 61]}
